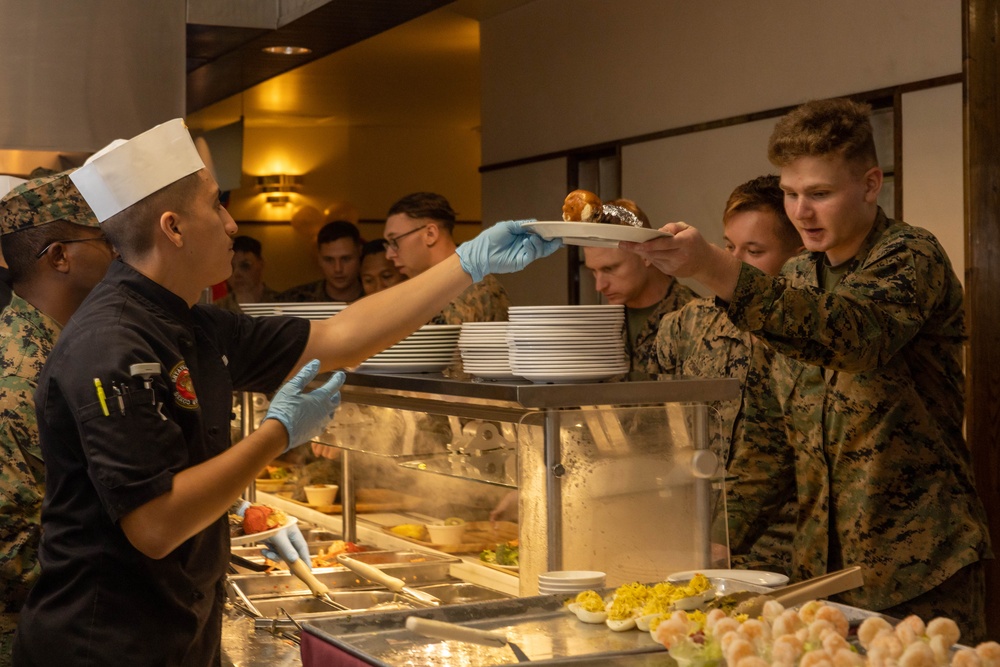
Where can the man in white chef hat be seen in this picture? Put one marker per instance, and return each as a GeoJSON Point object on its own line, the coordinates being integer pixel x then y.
{"type": "Point", "coordinates": [134, 408]}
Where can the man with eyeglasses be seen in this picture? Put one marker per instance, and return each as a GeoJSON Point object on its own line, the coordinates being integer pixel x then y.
{"type": "Point", "coordinates": [56, 255]}
{"type": "Point", "coordinates": [418, 234]}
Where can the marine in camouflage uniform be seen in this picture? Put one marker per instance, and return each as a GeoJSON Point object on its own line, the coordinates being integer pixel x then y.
{"type": "Point", "coordinates": [699, 340]}
{"type": "Point", "coordinates": [485, 301]}
{"type": "Point", "coordinates": [27, 336]}
{"type": "Point", "coordinates": [876, 411]}
{"type": "Point", "coordinates": [643, 355]}
{"type": "Point", "coordinates": [314, 292]}
{"type": "Point", "coordinates": [26, 339]}
{"type": "Point", "coordinates": [229, 302]}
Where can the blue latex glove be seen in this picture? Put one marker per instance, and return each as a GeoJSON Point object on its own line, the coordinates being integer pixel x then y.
{"type": "Point", "coordinates": [503, 248]}
{"type": "Point", "coordinates": [288, 545]}
{"type": "Point", "coordinates": [305, 415]}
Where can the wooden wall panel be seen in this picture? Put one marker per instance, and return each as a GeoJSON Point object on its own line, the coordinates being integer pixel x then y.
{"type": "Point", "coordinates": [981, 65]}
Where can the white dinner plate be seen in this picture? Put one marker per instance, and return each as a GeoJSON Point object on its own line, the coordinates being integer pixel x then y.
{"type": "Point", "coordinates": [495, 375]}
{"type": "Point", "coordinates": [551, 376]}
{"type": "Point", "coordinates": [592, 234]}
{"type": "Point", "coordinates": [411, 359]}
{"type": "Point", "coordinates": [423, 347]}
{"type": "Point", "coordinates": [759, 577]}
{"type": "Point", "coordinates": [263, 535]}
{"type": "Point", "coordinates": [416, 367]}
{"type": "Point", "coordinates": [576, 308]}
{"type": "Point", "coordinates": [570, 364]}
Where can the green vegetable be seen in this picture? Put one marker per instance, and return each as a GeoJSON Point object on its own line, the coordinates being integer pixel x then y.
{"type": "Point", "coordinates": [488, 556]}
{"type": "Point", "coordinates": [506, 555]}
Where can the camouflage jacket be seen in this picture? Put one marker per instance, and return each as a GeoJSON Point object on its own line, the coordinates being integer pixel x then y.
{"type": "Point", "coordinates": [485, 301]}
{"type": "Point", "coordinates": [312, 293]}
{"type": "Point", "coordinates": [27, 337]}
{"type": "Point", "coordinates": [642, 356]}
{"type": "Point", "coordinates": [229, 302]}
{"type": "Point", "coordinates": [876, 410]}
{"type": "Point", "coordinates": [699, 340]}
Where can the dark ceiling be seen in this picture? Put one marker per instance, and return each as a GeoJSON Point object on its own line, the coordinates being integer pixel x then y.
{"type": "Point", "coordinates": [223, 61]}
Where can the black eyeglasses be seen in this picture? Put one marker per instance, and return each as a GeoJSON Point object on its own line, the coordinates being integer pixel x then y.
{"type": "Point", "coordinates": [100, 238]}
{"type": "Point", "coordinates": [393, 243]}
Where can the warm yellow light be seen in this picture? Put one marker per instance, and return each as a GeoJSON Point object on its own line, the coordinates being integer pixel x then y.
{"type": "Point", "coordinates": [287, 50]}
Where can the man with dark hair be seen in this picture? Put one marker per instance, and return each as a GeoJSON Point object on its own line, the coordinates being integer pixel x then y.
{"type": "Point", "coordinates": [418, 234]}
{"type": "Point", "coordinates": [377, 272]}
{"type": "Point", "coordinates": [870, 328]}
{"type": "Point", "coordinates": [57, 254]}
{"type": "Point", "coordinates": [246, 285]}
{"type": "Point", "coordinates": [135, 540]}
{"type": "Point", "coordinates": [699, 340]}
{"type": "Point", "coordinates": [338, 252]}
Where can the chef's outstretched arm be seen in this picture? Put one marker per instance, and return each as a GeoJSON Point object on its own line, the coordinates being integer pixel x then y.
{"type": "Point", "coordinates": [381, 319]}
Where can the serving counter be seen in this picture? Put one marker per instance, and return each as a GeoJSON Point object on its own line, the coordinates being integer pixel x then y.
{"type": "Point", "coordinates": [623, 477]}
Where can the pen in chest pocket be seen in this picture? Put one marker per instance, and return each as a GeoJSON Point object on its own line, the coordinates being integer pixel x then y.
{"type": "Point", "coordinates": [101, 397]}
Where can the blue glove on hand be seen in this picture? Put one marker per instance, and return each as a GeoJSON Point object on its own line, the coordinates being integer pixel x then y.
{"type": "Point", "coordinates": [305, 415]}
{"type": "Point", "coordinates": [503, 248]}
{"type": "Point", "coordinates": [288, 545]}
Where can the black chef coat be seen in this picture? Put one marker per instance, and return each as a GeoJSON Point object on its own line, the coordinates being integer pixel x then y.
{"type": "Point", "coordinates": [99, 601]}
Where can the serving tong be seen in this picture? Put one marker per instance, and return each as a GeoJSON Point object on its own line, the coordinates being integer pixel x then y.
{"type": "Point", "coordinates": [453, 631]}
{"type": "Point", "coordinates": [752, 603]}
{"type": "Point", "coordinates": [394, 584]}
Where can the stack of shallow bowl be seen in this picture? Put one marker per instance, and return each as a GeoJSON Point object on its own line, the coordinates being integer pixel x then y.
{"type": "Point", "coordinates": [483, 346]}
{"type": "Point", "coordinates": [567, 343]}
{"type": "Point", "coordinates": [569, 582]}
{"type": "Point", "coordinates": [308, 311]}
{"type": "Point", "coordinates": [430, 349]}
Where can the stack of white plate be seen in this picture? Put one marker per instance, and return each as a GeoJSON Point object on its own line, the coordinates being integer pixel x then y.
{"type": "Point", "coordinates": [567, 343]}
{"type": "Point", "coordinates": [568, 582]}
{"type": "Point", "coordinates": [430, 349]}
{"type": "Point", "coordinates": [484, 350]}
{"type": "Point", "coordinates": [308, 311]}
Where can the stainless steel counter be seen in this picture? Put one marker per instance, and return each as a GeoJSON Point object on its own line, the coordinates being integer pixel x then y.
{"type": "Point", "coordinates": [514, 397]}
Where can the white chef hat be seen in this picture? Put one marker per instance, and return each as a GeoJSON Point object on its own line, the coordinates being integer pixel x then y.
{"type": "Point", "coordinates": [125, 172]}
{"type": "Point", "coordinates": [8, 183]}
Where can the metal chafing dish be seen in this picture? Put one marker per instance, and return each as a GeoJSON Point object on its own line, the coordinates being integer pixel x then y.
{"type": "Point", "coordinates": [414, 567]}
{"type": "Point", "coordinates": [277, 598]}
{"type": "Point", "coordinates": [540, 625]}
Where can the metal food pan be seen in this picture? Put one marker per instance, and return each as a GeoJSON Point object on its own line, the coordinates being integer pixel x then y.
{"type": "Point", "coordinates": [413, 567]}
{"type": "Point", "coordinates": [278, 609]}
{"type": "Point", "coordinates": [539, 625]}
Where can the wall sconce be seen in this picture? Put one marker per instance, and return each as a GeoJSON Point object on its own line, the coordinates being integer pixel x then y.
{"type": "Point", "coordinates": [278, 183]}
{"type": "Point", "coordinates": [278, 200]}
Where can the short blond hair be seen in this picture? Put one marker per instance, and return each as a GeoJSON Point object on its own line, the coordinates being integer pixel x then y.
{"type": "Point", "coordinates": [824, 127]}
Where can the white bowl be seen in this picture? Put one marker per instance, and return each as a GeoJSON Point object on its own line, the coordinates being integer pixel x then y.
{"type": "Point", "coordinates": [442, 534]}
{"type": "Point", "coordinates": [574, 576]}
{"type": "Point", "coordinates": [572, 592]}
{"type": "Point", "coordinates": [571, 589]}
{"type": "Point", "coordinates": [321, 494]}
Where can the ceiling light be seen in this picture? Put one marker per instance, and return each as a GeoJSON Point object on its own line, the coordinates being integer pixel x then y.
{"type": "Point", "coordinates": [287, 50]}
